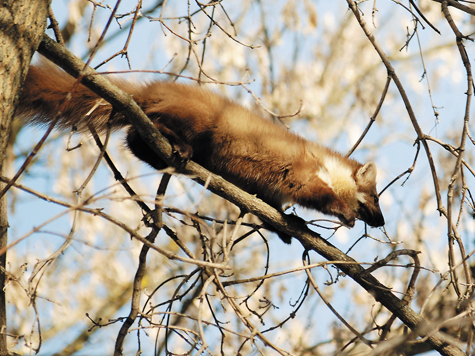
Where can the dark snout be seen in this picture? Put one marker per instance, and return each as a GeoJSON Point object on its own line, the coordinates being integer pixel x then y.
{"type": "Point", "coordinates": [375, 221]}
{"type": "Point", "coordinates": [373, 218]}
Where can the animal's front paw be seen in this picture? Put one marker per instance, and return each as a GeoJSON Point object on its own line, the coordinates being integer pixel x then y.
{"type": "Point", "coordinates": [182, 151]}
{"type": "Point", "coordinates": [347, 216]}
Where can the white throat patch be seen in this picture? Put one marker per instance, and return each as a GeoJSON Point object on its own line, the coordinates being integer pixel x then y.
{"type": "Point", "coordinates": [338, 176]}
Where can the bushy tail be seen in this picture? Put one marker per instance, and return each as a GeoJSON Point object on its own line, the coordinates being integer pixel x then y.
{"type": "Point", "coordinates": [46, 95]}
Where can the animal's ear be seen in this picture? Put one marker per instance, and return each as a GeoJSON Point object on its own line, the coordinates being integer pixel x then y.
{"type": "Point", "coordinates": [367, 172]}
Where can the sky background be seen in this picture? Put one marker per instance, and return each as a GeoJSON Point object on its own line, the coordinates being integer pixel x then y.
{"type": "Point", "coordinates": [322, 61]}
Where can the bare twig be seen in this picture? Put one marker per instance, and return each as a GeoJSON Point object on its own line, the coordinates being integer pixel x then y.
{"type": "Point", "coordinates": [137, 290]}
{"type": "Point", "coordinates": [407, 103]}
{"type": "Point", "coordinates": [327, 303]}
{"type": "Point", "coordinates": [452, 232]}
{"type": "Point", "coordinates": [372, 119]}
{"type": "Point", "coordinates": [98, 212]}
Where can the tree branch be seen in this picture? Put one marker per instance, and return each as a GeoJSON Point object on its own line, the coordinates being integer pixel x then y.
{"type": "Point", "coordinates": [309, 239]}
{"type": "Point", "coordinates": [21, 25]}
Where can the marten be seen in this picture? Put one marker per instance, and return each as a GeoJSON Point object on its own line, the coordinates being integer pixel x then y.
{"type": "Point", "coordinates": [258, 155]}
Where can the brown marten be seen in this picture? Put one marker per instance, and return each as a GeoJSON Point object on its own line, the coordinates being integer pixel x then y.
{"type": "Point", "coordinates": [256, 154]}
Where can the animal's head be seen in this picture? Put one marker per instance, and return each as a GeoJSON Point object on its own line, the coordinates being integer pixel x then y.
{"type": "Point", "coordinates": [368, 208]}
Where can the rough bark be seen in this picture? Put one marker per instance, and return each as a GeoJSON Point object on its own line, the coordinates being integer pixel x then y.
{"type": "Point", "coordinates": [22, 23]}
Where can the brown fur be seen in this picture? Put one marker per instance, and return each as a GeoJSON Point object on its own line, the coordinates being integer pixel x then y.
{"type": "Point", "coordinates": [259, 156]}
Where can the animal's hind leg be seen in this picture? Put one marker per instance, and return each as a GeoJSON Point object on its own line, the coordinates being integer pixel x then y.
{"type": "Point", "coordinates": [142, 151]}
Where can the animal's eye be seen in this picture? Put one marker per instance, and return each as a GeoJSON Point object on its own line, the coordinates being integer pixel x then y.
{"type": "Point", "coordinates": [376, 200]}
